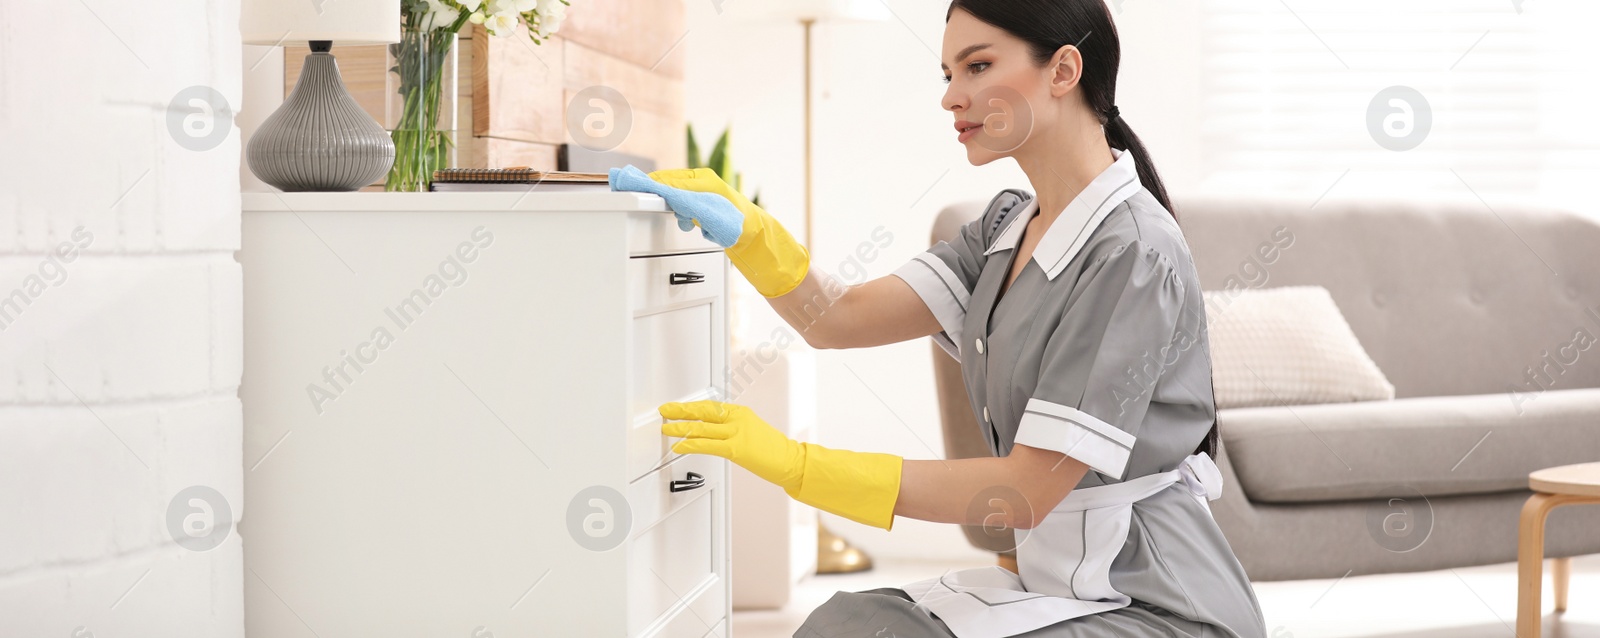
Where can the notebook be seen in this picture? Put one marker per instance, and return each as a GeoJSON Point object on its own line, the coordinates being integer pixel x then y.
{"type": "Point", "coordinates": [517, 179]}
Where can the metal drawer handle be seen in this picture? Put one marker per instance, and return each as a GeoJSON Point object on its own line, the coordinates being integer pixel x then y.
{"type": "Point", "coordinates": [694, 481]}
{"type": "Point", "coordinates": [690, 277]}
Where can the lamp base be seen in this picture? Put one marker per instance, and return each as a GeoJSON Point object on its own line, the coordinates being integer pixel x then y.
{"type": "Point", "coordinates": [835, 555]}
{"type": "Point", "coordinates": [320, 139]}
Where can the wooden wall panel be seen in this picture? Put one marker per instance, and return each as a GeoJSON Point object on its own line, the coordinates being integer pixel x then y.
{"type": "Point", "coordinates": [513, 94]}
{"type": "Point", "coordinates": [647, 33]}
{"type": "Point", "coordinates": [655, 100]}
{"type": "Point", "coordinates": [517, 86]}
{"type": "Point", "coordinates": [644, 90]}
{"type": "Point", "coordinates": [363, 69]}
{"type": "Point", "coordinates": [498, 152]}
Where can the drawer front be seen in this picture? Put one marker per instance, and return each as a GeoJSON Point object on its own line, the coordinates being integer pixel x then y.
{"type": "Point", "coordinates": [650, 281]}
{"type": "Point", "coordinates": [657, 233]}
{"type": "Point", "coordinates": [677, 575]}
{"type": "Point", "coordinates": [677, 344]}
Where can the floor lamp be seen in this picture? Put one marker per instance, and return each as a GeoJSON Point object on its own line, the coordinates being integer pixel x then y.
{"type": "Point", "coordinates": [835, 555]}
{"type": "Point", "coordinates": [808, 13]}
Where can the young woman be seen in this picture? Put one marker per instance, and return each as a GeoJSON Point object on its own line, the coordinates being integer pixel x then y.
{"type": "Point", "coordinates": [1078, 320]}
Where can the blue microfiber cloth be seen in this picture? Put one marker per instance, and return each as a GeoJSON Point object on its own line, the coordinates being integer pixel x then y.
{"type": "Point", "coordinates": [720, 221]}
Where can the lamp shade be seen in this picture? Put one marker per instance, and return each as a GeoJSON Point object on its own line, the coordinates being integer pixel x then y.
{"type": "Point", "coordinates": [818, 10]}
{"type": "Point", "coordinates": [274, 22]}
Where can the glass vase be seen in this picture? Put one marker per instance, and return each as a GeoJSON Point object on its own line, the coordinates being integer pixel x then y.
{"type": "Point", "coordinates": [421, 107]}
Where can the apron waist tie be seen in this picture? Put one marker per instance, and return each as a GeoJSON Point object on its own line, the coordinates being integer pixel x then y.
{"type": "Point", "coordinates": [1197, 472]}
{"type": "Point", "coordinates": [1200, 473]}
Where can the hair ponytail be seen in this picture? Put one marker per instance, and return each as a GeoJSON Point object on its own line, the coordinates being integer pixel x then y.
{"type": "Point", "coordinates": [1048, 25]}
{"type": "Point", "coordinates": [1119, 135]}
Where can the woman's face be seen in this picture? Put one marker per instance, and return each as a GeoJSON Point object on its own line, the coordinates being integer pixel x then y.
{"type": "Point", "coordinates": [995, 91]}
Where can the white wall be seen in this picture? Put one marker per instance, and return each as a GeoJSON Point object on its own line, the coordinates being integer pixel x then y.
{"type": "Point", "coordinates": [120, 359]}
{"type": "Point", "coordinates": [885, 155]}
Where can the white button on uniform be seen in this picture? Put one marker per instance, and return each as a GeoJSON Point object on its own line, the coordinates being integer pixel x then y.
{"type": "Point", "coordinates": [986, 414]}
{"type": "Point", "coordinates": [979, 341]}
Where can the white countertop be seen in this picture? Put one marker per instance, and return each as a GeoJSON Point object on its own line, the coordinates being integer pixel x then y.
{"type": "Point", "coordinates": [600, 201]}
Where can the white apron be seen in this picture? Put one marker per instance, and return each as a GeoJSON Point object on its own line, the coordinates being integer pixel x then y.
{"type": "Point", "coordinates": [1065, 561]}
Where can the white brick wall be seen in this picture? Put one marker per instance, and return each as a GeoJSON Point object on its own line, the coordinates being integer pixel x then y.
{"type": "Point", "coordinates": [120, 363]}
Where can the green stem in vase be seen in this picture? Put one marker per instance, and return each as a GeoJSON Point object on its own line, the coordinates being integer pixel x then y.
{"type": "Point", "coordinates": [420, 147]}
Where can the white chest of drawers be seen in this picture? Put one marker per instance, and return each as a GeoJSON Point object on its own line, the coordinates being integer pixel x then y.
{"type": "Point", "coordinates": [450, 417]}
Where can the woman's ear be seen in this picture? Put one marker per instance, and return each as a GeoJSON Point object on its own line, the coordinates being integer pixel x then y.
{"type": "Point", "coordinates": [1066, 68]}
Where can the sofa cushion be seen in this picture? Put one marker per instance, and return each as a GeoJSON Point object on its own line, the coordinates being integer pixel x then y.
{"type": "Point", "coordinates": [1434, 445]}
{"type": "Point", "coordinates": [1448, 296]}
{"type": "Point", "coordinates": [1286, 346]}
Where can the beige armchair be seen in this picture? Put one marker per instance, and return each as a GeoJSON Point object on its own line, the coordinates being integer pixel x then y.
{"type": "Point", "coordinates": [1476, 316]}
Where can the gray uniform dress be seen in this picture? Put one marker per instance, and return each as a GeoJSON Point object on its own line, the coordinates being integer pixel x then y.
{"type": "Point", "coordinates": [1098, 350]}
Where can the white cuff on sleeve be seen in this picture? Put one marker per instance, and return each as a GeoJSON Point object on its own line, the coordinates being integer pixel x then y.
{"type": "Point", "coordinates": [940, 289]}
{"type": "Point", "coordinates": [1072, 432]}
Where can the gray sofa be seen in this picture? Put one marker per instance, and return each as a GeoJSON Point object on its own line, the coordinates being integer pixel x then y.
{"type": "Point", "coordinates": [1458, 305]}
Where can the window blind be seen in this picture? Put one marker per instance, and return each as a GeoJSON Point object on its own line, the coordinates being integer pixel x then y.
{"type": "Point", "coordinates": [1291, 97]}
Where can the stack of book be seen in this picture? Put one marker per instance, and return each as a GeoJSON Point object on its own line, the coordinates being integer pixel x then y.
{"type": "Point", "coordinates": [517, 179]}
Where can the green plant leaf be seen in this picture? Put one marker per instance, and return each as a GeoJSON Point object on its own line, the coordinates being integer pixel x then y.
{"type": "Point", "coordinates": [719, 156]}
{"type": "Point", "coordinates": [694, 148]}
{"type": "Point", "coordinates": [720, 161]}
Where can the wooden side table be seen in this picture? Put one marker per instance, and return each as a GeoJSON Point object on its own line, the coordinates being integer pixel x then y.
{"type": "Point", "coordinates": [1552, 487]}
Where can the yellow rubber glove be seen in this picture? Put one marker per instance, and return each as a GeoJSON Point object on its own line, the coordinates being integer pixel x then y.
{"type": "Point", "coordinates": [860, 486]}
{"type": "Point", "coordinates": [768, 256]}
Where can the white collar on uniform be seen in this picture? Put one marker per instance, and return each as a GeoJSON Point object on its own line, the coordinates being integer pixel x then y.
{"type": "Point", "coordinates": [1068, 233]}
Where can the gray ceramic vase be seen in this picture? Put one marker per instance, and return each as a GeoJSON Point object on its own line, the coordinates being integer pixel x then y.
{"type": "Point", "coordinates": [320, 139]}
